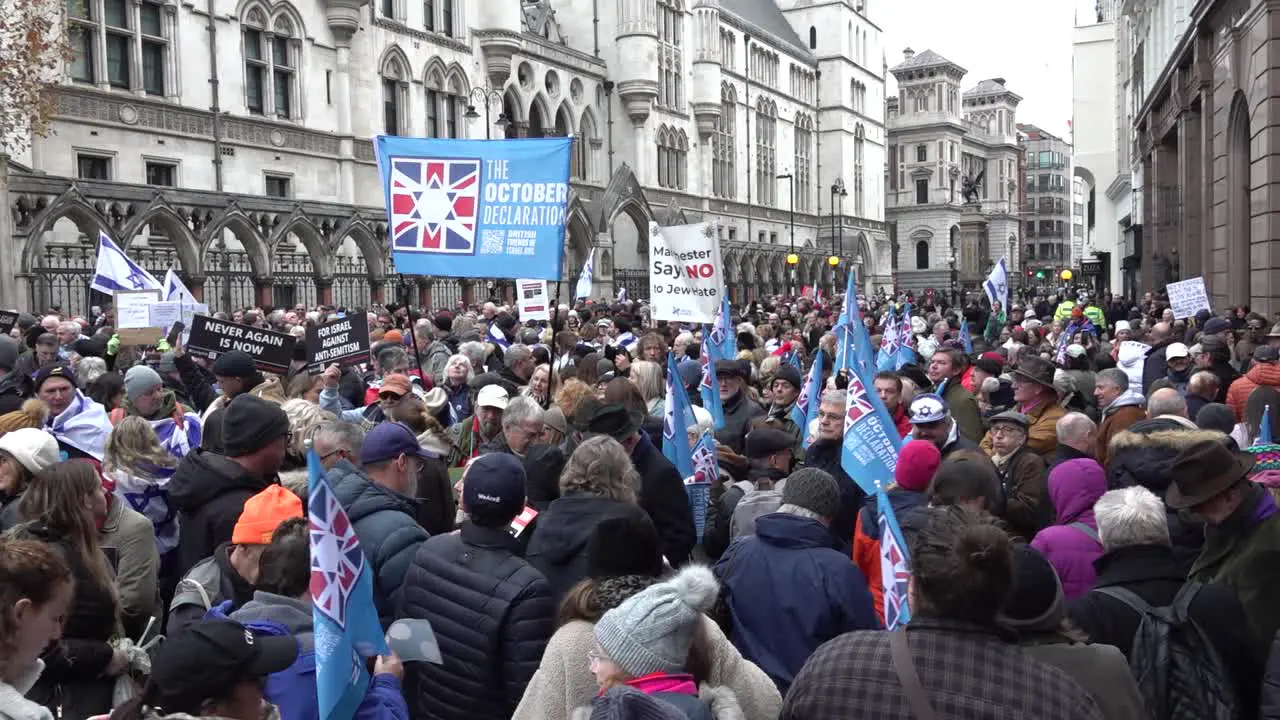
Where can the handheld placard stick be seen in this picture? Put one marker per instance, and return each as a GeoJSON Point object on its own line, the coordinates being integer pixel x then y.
{"type": "Point", "coordinates": [405, 296]}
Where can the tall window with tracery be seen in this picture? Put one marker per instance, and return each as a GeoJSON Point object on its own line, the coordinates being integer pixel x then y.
{"type": "Point", "coordinates": [804, 162]}
{"type": "Point", "coordinates": [673, 155]}
{"type": "Point", "coordinates": [723, 177]}
{"type": "Point", "coordinates": [270, 66]}
{"type": "Point", "coordinates": [395, 96]}
{"type": "Point", "coordinates": [766, 152]}
{"type": "Point", "coordinates": [121, 43]}
{"type": "Point", "coordinates": [859, 171]}
{"type": "Point", "coordinates": [670, 54]}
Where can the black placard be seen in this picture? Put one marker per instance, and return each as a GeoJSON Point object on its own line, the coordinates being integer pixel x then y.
{"type": "Point", "coordinates": [344, 341]}
{"type": "Point", "coordinates": [271, 351]}
{"type": "Point", "coordinates": [8, 319]}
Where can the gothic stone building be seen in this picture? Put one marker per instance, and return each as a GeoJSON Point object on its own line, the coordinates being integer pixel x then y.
{"type": "Point", "coordinates": [232, 139]}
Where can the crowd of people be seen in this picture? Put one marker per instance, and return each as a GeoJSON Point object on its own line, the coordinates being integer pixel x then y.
{"type": "Point", "coordinates": [1086, 491]}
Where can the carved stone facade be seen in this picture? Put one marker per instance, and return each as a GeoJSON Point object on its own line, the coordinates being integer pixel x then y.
{"type": "Point", "coordinates": [236, 144]}
{"type": "Point", "coordinates": [943, 139]}
{"type": "Point", "coordinates": [1210, 203]}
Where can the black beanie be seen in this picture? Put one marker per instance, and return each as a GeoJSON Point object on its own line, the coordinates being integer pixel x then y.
{"type": "Point", "coordinates": [787, 371]}
{"type": "Point", "coordinates": [1035, 602]}
{"type": "Point", "coordinates": [235, 364]}
{"type": "Point", "coordinates": [250, 423]}
{"type": "Point", "coordinates": [625, 545]}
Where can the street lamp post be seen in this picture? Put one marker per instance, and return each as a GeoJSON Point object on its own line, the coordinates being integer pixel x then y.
{"type": "Point", "coordinates": [955, 300]}
{"type": "Point", "coordinates": [792, 258]}
{"type": "Point", "coordinates": [838, 194]}
{"type": "Point", "coordinates": [486, 96]}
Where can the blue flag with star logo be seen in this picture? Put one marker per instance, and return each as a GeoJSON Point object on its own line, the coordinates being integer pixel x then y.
{"type": "Point", "coordinates": [476, 208]}
{"type": "Point", "coordinates": [114, 270]}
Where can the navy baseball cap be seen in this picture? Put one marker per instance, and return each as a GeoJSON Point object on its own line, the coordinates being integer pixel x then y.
{"type": "Point", "coordinates": [388, 441]}
{"type": "Point", "coordinates": [927, 408]}
{"type": "Point", "coordinates": [493, 491]}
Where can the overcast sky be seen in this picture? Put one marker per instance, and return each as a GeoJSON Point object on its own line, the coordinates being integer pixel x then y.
{"type": "Point", "coordinates": [1026, 43]}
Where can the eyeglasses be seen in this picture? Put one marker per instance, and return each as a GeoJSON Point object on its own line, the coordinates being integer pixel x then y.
{"type": "Point", "coordinates": [340, 451]}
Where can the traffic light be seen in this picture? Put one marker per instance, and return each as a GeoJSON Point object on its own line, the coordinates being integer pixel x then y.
{"type": "Point", "coordinates": [1040, 274]}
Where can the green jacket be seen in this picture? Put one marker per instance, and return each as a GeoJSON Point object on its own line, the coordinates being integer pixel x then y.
{"type": "Point", "coordinates": [1094, 313]}
{"type": "Point", "coordinates": [1243, 553]}
{"type": "Point", "coordinates": [1064, 310]}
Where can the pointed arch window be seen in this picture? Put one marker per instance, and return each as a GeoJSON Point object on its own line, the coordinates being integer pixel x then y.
{"type": "Point", "coordinates": [673, 156]}
{"type": "Point", "coordinates": [670, 54]}
{"type": "Point", "coordinates": [766, 151]}
{"type": "Point", "coordinates": [804, 162]}
{"type": "Point", "coordinates": [724, 146]}
{"type": "Point", "coordinates": [271, 65]}
{"type": "Point", "coordinates": [859, 171]}
{"type": "Point", "coordinates": [395, 96]}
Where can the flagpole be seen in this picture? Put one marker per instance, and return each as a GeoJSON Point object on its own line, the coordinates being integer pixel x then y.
{"type": "Point", "coordinates": [406, 295]}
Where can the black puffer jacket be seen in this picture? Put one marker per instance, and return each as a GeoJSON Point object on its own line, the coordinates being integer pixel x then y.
{"type": "Point", "coordinates": [386, 523]}
{"type": "Point", "coordinates": [493, 614]}
{"type": "Point", "coordinates": [1142, 455]}
{"type": "Point", "coordinates": [558, 548]}
{"type": "Point", "coordinates": [209, 491]}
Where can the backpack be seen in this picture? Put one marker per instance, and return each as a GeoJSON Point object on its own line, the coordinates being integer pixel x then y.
{"type": "Point", "coordinates": [1178, 671]}
{"type": "Point", "coordinates": [753, 504]}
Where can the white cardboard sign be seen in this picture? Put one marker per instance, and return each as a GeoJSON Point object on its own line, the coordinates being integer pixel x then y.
{"type": "Point", "coordinates": [532, 300]}
{"type": "Point", "coordinates": [686, 275]}
{"type": "Point", "coordinates": [1188, 297]}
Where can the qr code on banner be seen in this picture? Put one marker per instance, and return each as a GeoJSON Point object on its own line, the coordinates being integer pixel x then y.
{"type": "Point", "coordinates": [493, 242]}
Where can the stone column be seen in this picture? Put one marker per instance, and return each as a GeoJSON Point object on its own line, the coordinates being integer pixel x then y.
{"type": "Point", "coordinates": [424, 292]}
{"type": "Point", "coordinates": [1146, 268]}
{"type": "Point", "coordinates": [324, 291]}
{"type": "Point", "coordinates": [1189, 174]}
{"type": "Point", "coordinates": [195, 284]}
{"type": "Point", "coordinates": [1167, 219]}
{"type": "Point", "coordinates": [262, 291]}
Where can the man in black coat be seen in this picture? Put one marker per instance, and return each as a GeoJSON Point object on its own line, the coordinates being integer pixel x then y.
{"type": "Point", "coordinates": [825, 454]}
{"type": "Point", "coordinates": [209, 489]}
{"type": "Point", "coordinates": [492, 612]}
{"type": "Point", "coordinates": [662, 493]}
{"type": "Point", "coordinates": [14, 386]}
{"type": "Point", "coordinates": [739, 410]}
{"type": "Point", "coordinates": [1139, 558]}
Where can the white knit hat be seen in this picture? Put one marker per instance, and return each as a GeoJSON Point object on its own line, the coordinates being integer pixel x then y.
{"type": "Point", "coordinates": [34, 449]}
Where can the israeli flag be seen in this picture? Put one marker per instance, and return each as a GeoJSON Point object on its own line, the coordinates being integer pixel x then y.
{"type": "Point", "coordinates": [115, 271]}
{"type": "Point", "coordinates": [622, 295]}
{"type": "Point", "coordinates": [997, 285]}
{"type": "Point", "coordinates": [583, 289]}
{"type": "Point", "coordinates": [176, 290]}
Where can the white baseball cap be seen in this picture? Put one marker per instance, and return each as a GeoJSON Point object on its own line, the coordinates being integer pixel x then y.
{"type": "Point", "coordinates": [1176, 350]}
{"type": "Point", "coordinates": [492, 396]}
{"type": "Point", "coordinates": [34, 449]}
{"type": "Point", "coordinates": [1122, 325]}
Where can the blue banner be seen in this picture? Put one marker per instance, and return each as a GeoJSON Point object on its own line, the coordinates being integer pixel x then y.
{"type": "Point", "coordinates": [871, 440]}
{"type": "Point", "coordinates": [965, 339]}
{"type": "Point", "coordinates": [709, 388]}
{"type": "Point", "coordinates": [476, 208]}
{"type": "Point", "coordinates": [888, 354]}
{"type": "Point", "coordinates": [906, 339]}
{"type": "Point", "coordinates": [895, 565]}
{"type": "Point", "coordinates": [722, 337]}
{"type": "Point", "coordinates": [677, 418]}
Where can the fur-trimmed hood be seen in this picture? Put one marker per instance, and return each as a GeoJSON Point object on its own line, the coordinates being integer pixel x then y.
{"type": "Point", "coordinates": [721, 701]}
{"type": "Point", "coordinates": [1144, 458]}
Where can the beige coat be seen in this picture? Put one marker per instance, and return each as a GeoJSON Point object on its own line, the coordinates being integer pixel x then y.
{"type": "Point", "coordinates": [564, 681]}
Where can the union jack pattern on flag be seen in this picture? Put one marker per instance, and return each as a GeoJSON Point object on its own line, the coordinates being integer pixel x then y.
{"type": "Point", "coordinates": [434, 204]}
{"type": "Point", "coordinates": [347, 630]}
{"type": "Point", "coordinates": [859, 405]}
{"type": "Point", "coordinates": [336, 557]}
{"type": "Point", "coordinates": [895, 566]}
{"type": "Point", "coordinates": [705, 466]}
{"type": "Point", "coordinates": [709, 388]}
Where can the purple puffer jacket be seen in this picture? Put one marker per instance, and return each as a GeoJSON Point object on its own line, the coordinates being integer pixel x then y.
{"type": "Point", "coordinates": [1074, 486]}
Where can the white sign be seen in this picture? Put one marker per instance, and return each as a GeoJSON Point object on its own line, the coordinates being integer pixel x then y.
{"type": "Point", "coordinates": [532, 300]}
{"type": "Point", "coordinates": [133, 308]}
{"type": "Point", "coordinates": [686, 276]}
{"type": "Point", "coordinates": [1188, 297]}
{"type": "Point", "coordinates": [1132, 358]}
{"type": "Point", "coordinates": [164, 314]}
